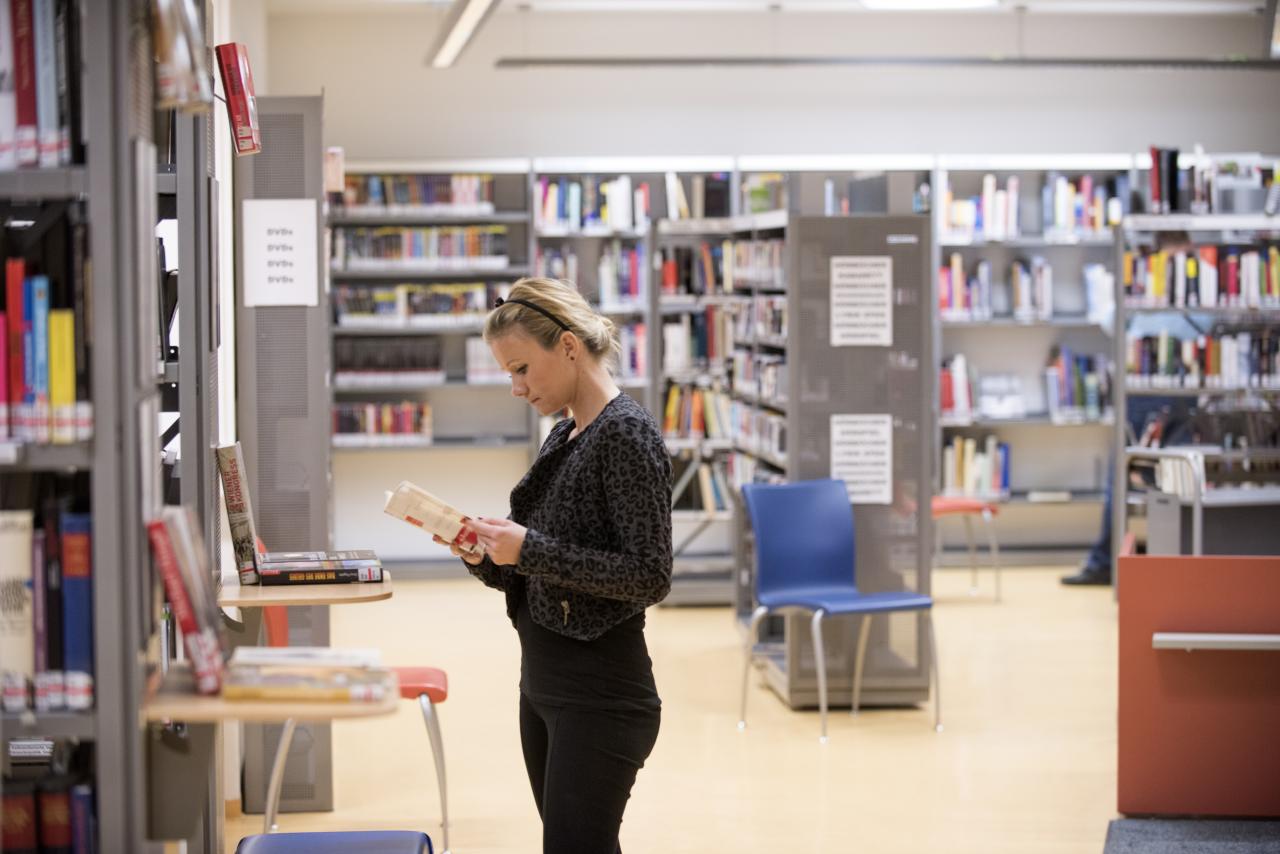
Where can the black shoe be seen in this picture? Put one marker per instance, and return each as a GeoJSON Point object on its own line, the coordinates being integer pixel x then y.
{"type": "Point", "coordinates": [1095, 575]}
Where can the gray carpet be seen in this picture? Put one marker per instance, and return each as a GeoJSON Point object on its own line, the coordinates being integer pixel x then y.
{"type": "Point", "coordinates": [1192, 836]}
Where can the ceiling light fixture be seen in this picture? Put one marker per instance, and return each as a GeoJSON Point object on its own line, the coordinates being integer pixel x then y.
{"type": "Point", "coordinates": [928, 5]}
{"type": "Point", "coordinates": [461, 23]}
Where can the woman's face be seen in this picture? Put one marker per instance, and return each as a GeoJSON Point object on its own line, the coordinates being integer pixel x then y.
{"type": "Point", "coordinates": [542, 377]}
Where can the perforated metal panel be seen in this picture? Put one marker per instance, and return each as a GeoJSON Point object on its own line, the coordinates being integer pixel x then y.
{"type": "Point", "coordinates": [282, 364]}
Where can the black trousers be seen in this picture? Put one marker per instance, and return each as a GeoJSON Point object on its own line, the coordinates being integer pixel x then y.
{"type": "Point", "coordinates": [582, 764]}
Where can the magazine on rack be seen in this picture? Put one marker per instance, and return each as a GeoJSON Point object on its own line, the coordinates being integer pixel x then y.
{"type": "Point", "coordinates": [420, 508]}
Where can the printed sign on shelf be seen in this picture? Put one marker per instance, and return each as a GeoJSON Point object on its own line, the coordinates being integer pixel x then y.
{"type": "Point", "coordinates": [862, 456]}
{"type": "Point", "coordinates": [280, 252]}
{"type": "Point", "coordinates": [861, 301]}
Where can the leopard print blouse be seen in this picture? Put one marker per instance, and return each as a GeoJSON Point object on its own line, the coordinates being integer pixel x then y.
{"type": "Point", "coordinates": [598, 514]}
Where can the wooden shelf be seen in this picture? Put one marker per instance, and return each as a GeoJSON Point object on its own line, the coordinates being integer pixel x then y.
{"type": "Point", "coordinates": [263, 595]}
{"type": "Point", "coordinates": [174, 698]}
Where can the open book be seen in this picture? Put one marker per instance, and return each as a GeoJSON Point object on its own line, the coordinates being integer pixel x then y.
{"type": "Point", "coordinates": [418, 507]}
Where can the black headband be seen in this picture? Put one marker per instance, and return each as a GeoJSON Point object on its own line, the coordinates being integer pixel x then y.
{"type": "Point", "coordinates": [500, 302]}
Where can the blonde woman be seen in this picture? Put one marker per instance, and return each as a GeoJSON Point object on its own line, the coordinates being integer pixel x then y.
{"type": "Point", "coordinates": [586, 548]}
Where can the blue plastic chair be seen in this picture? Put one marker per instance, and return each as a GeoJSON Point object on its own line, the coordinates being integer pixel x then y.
{"type": "Point", "coordinates": [341, 842]}
{"type": "Point", "coordinates": [805, 562]}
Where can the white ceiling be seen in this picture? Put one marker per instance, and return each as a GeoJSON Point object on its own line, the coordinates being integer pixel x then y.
{"type": "Point", "coordinates": [1087, 7]}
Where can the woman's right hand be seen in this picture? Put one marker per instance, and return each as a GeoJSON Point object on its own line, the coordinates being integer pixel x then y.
{"type": "Point", "coordinates": [473, 560]}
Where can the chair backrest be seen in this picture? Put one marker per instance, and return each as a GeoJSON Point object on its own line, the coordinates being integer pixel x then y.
{"type": "Point", "coordinates": [804, 534]}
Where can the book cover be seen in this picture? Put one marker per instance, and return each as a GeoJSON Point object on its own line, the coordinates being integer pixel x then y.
{"type": "Point", "coordinates": [46, 57]}
{"type": "Point", "coordinates": [26, 137]}
{"type": "Point", "coordinates": [77, 608]}
{"type": "Point", "coordinates": [62, 375]}
{"type": "Point", "coordinates": [306, 683]}
{"type": "Point", "coordinates": [182, 582]}
{"type": "Point", "coordinates": [19, 831]}
{"type": "Point", "coordinates": [321, 575]}
{"type": "Point", "coordinates": [8, 103]}
{"type": "Point", "coordinates": [53, 797]}
{"type": "Point", "coordinates": [242, 107]}
{"type": "Point", "coordinates": [39, 415]}
{"type": "Point", "coordinates": [420, 508]}
{"type": "Point", "coordinates": [17, 629]}
{"type": "Point", "coordinates": [235, 493]}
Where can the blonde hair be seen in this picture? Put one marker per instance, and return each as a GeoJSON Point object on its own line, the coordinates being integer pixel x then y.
{"type": "Point", "coordinates": [562, 302]}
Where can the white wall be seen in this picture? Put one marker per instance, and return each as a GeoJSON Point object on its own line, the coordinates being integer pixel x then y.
{"type": "Point", "coordinates": [382, 101]}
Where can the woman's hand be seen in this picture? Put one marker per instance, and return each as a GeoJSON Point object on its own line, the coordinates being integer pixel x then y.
{"type": "Point", "coordinates": [470, 558]}
{"type": "Point", "coordinates": [502, 539]}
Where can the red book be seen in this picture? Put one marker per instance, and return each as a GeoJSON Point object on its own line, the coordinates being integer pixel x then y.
{"type": "Point", "coordinates": [4, 377]}
{"type": "Point", "coordinates": [242, 106]}
{"type": "Point", "coordinates": [669, 277]}
{"type": "Point", "coordinates": [1233, 278]}
{"type": "Point", "coordinates": [201, 648]}
{"type": "Point", "coordinates": [24, 82]}
{"type": "Point", "coordinates": [1155, 180]}
{"type": "Point", "coordinates": [15, 272]}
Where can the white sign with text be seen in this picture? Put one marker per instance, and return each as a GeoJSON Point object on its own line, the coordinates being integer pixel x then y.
{"type": "Point", "coordinates": [280, 252]}
{"type": "Point", "coordinates": [861, 301]}
{"type": "Point", "coordinates": [862, 456]}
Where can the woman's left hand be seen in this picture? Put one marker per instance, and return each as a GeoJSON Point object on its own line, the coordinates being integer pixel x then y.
{"type": "Point", "coordinates": [501, 538]}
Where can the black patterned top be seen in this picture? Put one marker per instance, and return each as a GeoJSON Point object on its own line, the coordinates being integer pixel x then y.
{"type": "Point", "coordinates": [598, 512]}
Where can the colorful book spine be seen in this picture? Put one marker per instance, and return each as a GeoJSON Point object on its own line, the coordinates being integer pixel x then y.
{"type": "Point", "coordinates": [26, 134]}
{"type": "Point", "coordinates": [62, 375]}
{"type": "Point", "coordinates": [47, 125]}
{"type": "Point", "coordinates": [77, 608]}
{"type": "Point", "coordinates": [322, 575]}
{"type": "Point", "coordinates": [8, 103]}
{"type": "Point", "coordinates": [201, 646]}
{"type": "Point", "coordinates": [40, 353]}
{"type": "Point", "coordinates": [15, 300]}
{"type": "Point", "coordinates": [83, 824]}
{"type": "Point", "coordinates": [4, 372]}
{"type": "Point", "coordinates": [239, 511]}
{"type": "Point", "coordinates": [242, 110]}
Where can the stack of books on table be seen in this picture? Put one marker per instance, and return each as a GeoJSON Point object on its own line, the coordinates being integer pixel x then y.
{"type": "Point", "coordinates": [319, 567]}
{"type": "Point", "coordinates": [307, 674]}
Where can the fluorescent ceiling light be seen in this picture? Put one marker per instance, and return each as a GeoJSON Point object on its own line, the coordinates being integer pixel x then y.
{"type": "Point", "coordinates": [927, 5]}
{"type": "Point", "coordinates": [461, 23]}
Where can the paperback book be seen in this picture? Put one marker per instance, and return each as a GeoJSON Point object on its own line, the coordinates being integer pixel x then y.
{"type": "Point", "coordinates": [420, 508]}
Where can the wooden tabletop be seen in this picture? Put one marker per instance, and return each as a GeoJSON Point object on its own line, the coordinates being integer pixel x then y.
{"type": "Point", "coordinates": [260, 596]}
{"type": "Point", "coordinates": [174, 698]}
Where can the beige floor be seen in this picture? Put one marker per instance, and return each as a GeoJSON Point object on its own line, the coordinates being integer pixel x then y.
{"type": "Point", "coordinates": [1026, 764]}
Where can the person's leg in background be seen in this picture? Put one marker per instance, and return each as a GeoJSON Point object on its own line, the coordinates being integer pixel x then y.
{"type": "Point", "coordinates": [1097, 566]}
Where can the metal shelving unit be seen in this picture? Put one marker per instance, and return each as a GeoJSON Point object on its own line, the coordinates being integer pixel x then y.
{"type": "Point", "coordinates": [1010, 345]}
{"type": "Point", "coordinates": [1220, 229]}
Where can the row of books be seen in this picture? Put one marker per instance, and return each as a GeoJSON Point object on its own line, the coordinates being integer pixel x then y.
{"type": "Point", "coordinates": [757, 263]}
{"type": "Point", "coordinates": [744, 468]}
{"type": "Point", "coordinates": [709, 489]}
{"type": "Point", "coordinates": [557, 262]}
{"type": "Point", "coordinates": [434, 247]}
{"type": "Point", "coordinates": [46, 809]}
{"type": "Point", "coordinates": [697, 339]}
{"type": "Point", "coordinates": [763, 192]}
{"type": "Point", "coordinates": [46, 628]}
{"type": "Point", "coordinates": [1068, 206]}
{"type": "Point", "coordinates": [41, 114]}
{"type": "Point", "coordinates": [44, 346]}
{"type": "Point", "coordinates": [1026, 295]}
{"type": "Point", "coordinates": [419, 194]}
{"type": "Point", "coordinates": [422, 305]}
{"type": "Point", "coordinates": [633, 360]}
{"type": "Point", "coordinates": [592, 203]}
{"type": "Point", "coordinates": [1225, 360]}
{"type": "Point", "coordinates": [622, 276]}
{"type": "Point", "coordinates": [760, 433]}
{"type": "Point", "coordinates": [975, 469]}
{"type": "Point", "coordinates": [388, 355]}
{"type": "Point", "coordinates": [696, 412]}
{"type": "Point", "coordinates": [700, 270]}
{"type": "Point", "coordinates": [1077, 386]}
{"type": "Point", "coordinates": [763, 319]}
{"type": "Point", "coordinates": [406, 418]}
{"type": "Point", "coordinates": [1207, 276]}
{"type": "Point", "coordinates": [760, 378]}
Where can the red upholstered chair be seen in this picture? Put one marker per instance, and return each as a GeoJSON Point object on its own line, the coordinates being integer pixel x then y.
{"type": "Point", "coordinates": [967, 508]}
{"type": "Point", "coordinates": [428, 685]}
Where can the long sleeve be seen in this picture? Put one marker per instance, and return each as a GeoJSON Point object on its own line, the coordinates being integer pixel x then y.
{"type": "Point", "coordinates": [489, 573]}
{"type": "Point", "coordinates": [636, 484]}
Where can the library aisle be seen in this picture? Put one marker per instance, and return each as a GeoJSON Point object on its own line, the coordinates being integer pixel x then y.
{"type": "Point", "coordinates": [1027, 759]}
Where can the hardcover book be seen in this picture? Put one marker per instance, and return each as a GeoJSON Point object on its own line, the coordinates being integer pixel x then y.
{"type": "Point", "coordinates": [235, 492]}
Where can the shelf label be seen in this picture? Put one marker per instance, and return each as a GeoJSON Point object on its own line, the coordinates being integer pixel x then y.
{"type": "Point", "coordinates": [862, 456]}
{"type": "Point", "coordinates": [862, 301]}
{"type": "Point", "coordinates": [280, 252]}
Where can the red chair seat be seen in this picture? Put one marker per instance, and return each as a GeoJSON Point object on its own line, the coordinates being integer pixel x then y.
{"type": "Point", "coordinates": [949, 506]}
{"type": "Point", "coordinates": [416, 681]}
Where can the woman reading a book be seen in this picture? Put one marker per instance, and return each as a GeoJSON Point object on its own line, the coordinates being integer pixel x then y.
{"type": "Point", "coordinates": [586, 548]}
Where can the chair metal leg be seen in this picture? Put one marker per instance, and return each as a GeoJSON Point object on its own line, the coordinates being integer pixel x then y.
{"type": "Point", "coordinates": [432, 719]}
{"type": "Point", "coordinates": [937, 675]}
{"type": "Point", "coordinates": [820, 664]}
{"type": "Point", "coordinates": [973, 556]}
{"type": "Point", "coordinates": [752, 631]}
{"type": "Point", "coordinates": [993, 544]}
{"type": "Point", "coordinates": [864, 631]}
{"type": "Point", "coordinates": [277, 777]}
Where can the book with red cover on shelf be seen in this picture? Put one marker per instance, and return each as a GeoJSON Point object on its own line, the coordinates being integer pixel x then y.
{"type": "Point", "coordinates": [242, 107]}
